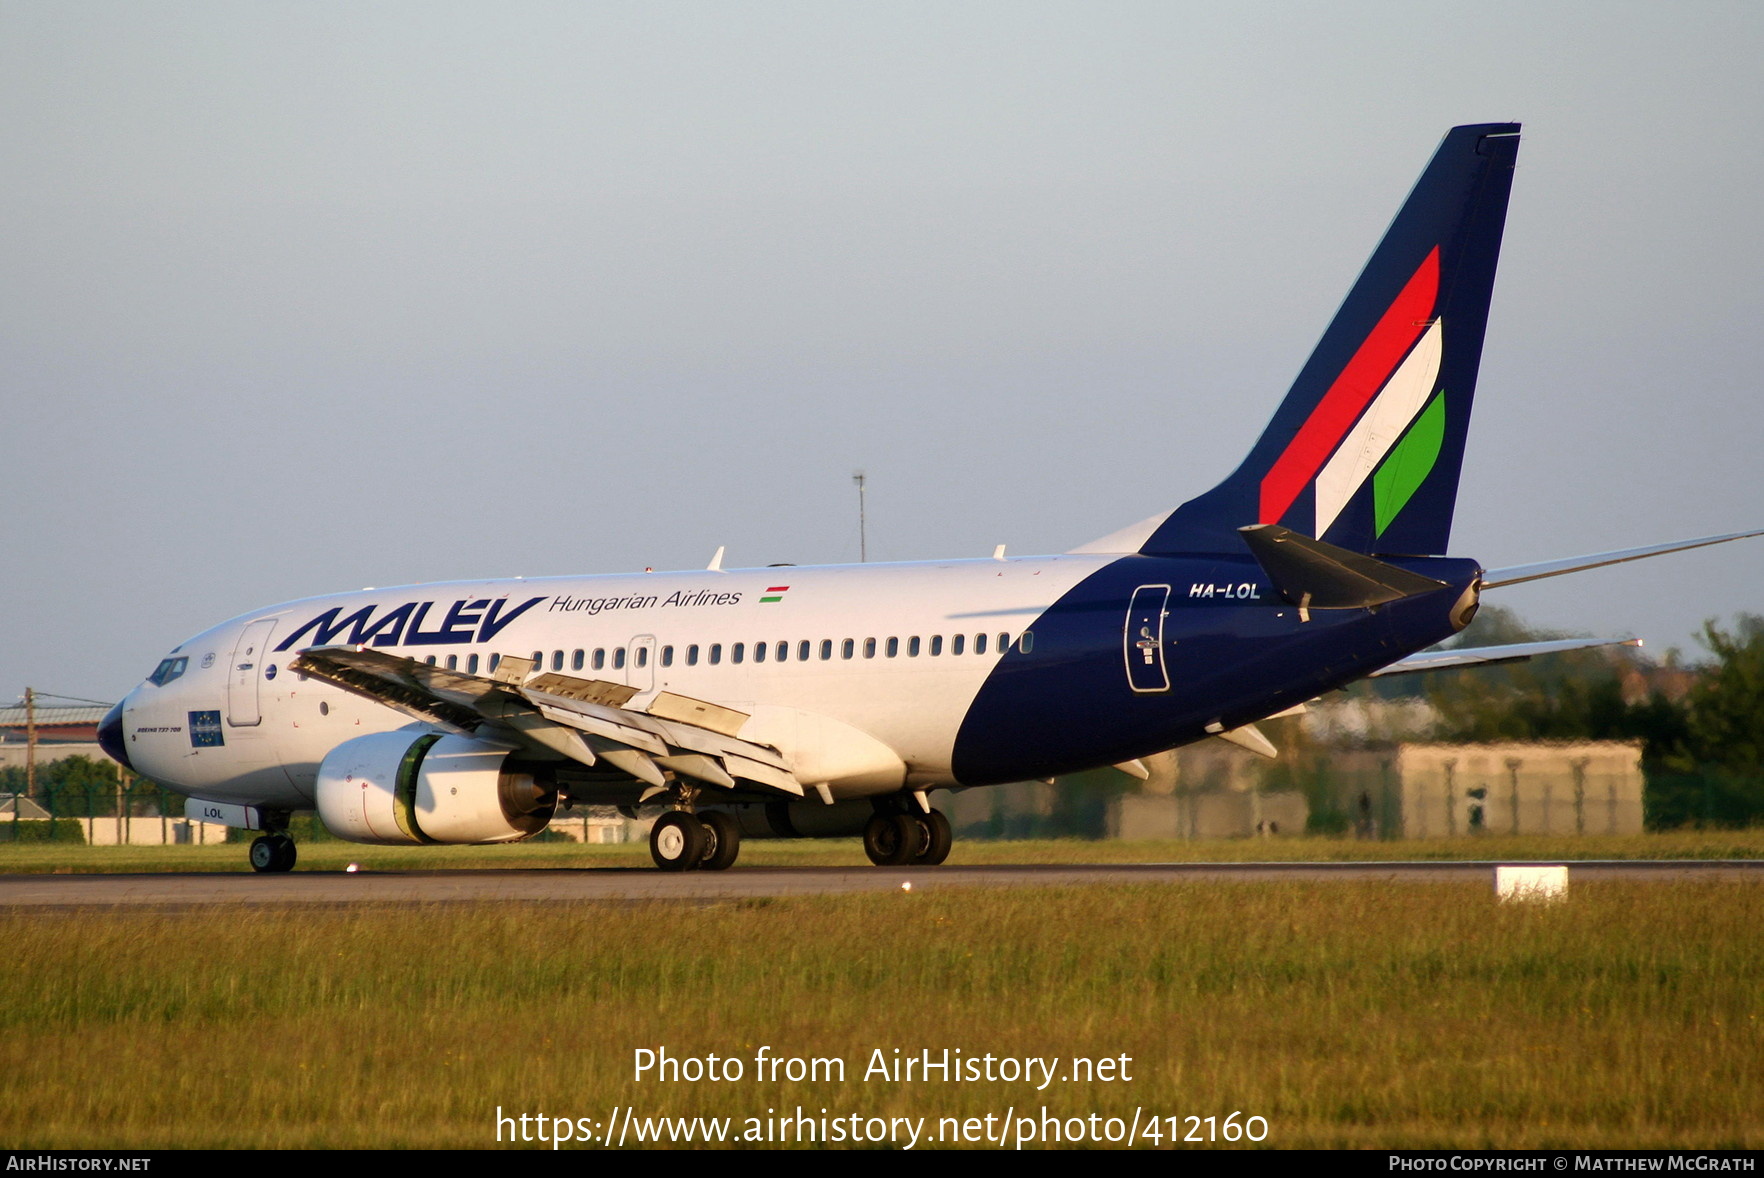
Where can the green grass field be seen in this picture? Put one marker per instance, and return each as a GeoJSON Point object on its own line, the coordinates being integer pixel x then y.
{"type": "Point", "coordinates": [333, 856]}
{"type": "Point", "coordinates": [1345, 1014]}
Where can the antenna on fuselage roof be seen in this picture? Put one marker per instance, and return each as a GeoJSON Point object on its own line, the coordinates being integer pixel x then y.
{"type": "Point", "coordinates": [863, 538]}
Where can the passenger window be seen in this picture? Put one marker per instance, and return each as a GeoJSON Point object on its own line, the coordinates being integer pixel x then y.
{"type": "Point", "coordinates": [716, 653]}
{"type": "Point", "coordinates": [784, 651]}
{"type": "Point", "coordinates": [538, 660]}
{"type": "Point", "coordinates": [913, 647]}
{"type": "Point", "coordinates": [692, 655]}
{"type": "Point", "coordinates": [979, 644]}
{"type": "Point", "coordinates": [453, 662]}
{"type": "Point", "coordinates": [599, 658]}
{"type": "Point", "coordinates": [430, 660]}
{"type": "Point", "coordinates": [826, 649]}
{"type": "Point", "coordinates": [495, 661]}
{"type": "Point", "coordinates": [576, 659]}
{"type": "Point", "coordinates": [955, 643]}
{"type": "Point", "coordinates": [472, 665]}
{"type": "Point", "coordinates": [642, 656]}
{"type": "Point", "coordinates": [1026, 641]}
{"type": "Point", "coordinates": [737, 652]}
{"type": "Point", "coordinates": [1004, 643]}
{"type": "Point", "coordinates": [557, 660]}
{"type": "Point", "coordinates": [618, 658]}
{"type": "Point", "coordinates": [667, 656]}
{"type": "Point", "coordinates": [845, 648]}
{"type": "Point", "coordinates": [869, 648]}
{"type": "Point", "coordinates": [759, 652]}
{"type": "Point", "coordinates": [936, 645]}
{"type": "Point", "coordinates": [893, 647]}
{"type": "Point", "coordinates": [802, 650]}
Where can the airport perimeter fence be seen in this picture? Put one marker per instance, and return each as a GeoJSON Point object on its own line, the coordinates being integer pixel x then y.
{"type": "Point", "coordinates": [150, 815]}
{"type": "Point", "coordinates": [131, 811]}
{"type": "Point", "coordinates": [95, 803]}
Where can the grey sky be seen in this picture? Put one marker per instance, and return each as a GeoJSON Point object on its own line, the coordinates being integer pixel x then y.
{"type": "Point", "coordinates": [302, 297]}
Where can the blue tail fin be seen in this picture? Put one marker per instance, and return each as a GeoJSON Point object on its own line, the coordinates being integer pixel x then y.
{"type": "Point", "coordinates": [1365, 450]}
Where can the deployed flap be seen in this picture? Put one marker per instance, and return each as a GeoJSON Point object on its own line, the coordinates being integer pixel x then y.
{"type": "Point", "coordinates": [594, 691]}
{"type": "Point", "coordinates": [583, 719]}
{"type": "Point", "coordinates": [1484, 656]}
{"type": "Point", "coordinates": [1315, 575]}
{"type": "Point", "coordinates": [447, 698]}
{"type": "Point", "coordinates": [687, 710]}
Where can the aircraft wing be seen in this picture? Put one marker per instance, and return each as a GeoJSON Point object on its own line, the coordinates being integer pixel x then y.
{"type": "Point", "coordinates": [1484, 656]}
{"type": "Point", "coordinates": [584, 720]}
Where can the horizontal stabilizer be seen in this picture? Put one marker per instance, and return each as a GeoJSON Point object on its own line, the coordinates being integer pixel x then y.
{"type": "Point", "coordinates": [1488, 656]}
{"type": "Point", "coordinates": [1315, 575]}
{"type": "Point", "coordinates": [1519, 573]}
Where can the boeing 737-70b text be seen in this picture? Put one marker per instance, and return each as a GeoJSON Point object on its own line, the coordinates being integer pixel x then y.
{"type": "Point", "coordinates": [832, 701]}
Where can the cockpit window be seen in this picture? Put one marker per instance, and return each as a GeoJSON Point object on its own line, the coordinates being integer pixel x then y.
{"type": "Point", "coordinates": [167, 670]}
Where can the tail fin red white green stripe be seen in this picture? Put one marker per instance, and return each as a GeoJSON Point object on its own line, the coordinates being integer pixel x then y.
{"type": "Point", "coordinates": [1366, 449]}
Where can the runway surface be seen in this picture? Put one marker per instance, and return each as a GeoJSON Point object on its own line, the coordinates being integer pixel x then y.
{"type": "Point", "coordinates": [615, 884]}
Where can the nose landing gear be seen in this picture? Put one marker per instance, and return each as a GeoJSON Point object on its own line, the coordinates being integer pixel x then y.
{"type": "Point", "coordinates": [272, 852]}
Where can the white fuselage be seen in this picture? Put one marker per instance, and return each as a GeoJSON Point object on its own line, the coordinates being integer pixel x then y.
{"type": "Point", "coordinates": [895, 652]}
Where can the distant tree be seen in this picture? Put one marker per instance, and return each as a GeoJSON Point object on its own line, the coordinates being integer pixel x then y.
{"type": "Point", "coordinates": [1715, 776]}
{"type": "Point", "coordinates": [1726, 726]}
{"type": "Point", "coordinates": [77, 785]}
{"type": "Point", "coordinates": [1575, 695]}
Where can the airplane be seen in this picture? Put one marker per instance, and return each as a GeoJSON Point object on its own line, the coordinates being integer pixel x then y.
{"type": "Point", "coordinates": [833, 701]}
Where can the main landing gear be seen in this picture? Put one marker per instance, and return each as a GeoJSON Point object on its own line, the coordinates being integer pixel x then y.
{"type": "Point", "coordinates": [898, 839]}
{"type": "Point", "coordinates": [680, 841]}
{"type": "Point", "coordinates": [272, 852]}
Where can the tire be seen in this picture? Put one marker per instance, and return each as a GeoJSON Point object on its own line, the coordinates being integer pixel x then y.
{"type": "Point", "coordinates": [937, 841]}
{"type": "Point", "coordinates": [285, 853]}
{"type": "Point", "coordinates": [892, 840]}
{"type": "Point", "coordinates": [677, 841]}
{"type": "Point", "coordinates": [722, 842]}
{"type": "Point", "coordinates": [272, 852]}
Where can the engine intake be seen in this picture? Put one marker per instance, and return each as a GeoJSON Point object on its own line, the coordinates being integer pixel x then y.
{"type": "Point", "coordinates": [404, 788]}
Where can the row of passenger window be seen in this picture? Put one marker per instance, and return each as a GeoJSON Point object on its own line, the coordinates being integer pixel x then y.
{"type": "Point", "coordinates": [780, 652]}
{"type": "Point", "coordinates": [759, 652]}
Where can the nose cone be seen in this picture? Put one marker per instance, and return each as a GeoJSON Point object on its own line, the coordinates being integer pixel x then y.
{"type": "Point", "coordinates": [110, 737]}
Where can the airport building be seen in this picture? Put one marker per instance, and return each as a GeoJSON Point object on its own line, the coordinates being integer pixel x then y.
{"type": "Point", "coordinates": [59, 731]}
{"type": "Point", "coordinates": [1406, 789]}
{"type": "Point", "coordinates": [1415, 790]}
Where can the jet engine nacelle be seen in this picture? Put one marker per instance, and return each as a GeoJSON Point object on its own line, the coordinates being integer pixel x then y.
{"type": "Point", "coordinates": [401, 788]}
